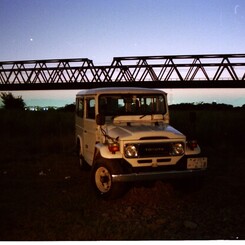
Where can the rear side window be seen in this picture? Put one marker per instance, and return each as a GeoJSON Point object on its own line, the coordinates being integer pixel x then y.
{"type": "Point", "coordinates": [80, 107]}
{"type": "Point", "coordinates": [90, 108]}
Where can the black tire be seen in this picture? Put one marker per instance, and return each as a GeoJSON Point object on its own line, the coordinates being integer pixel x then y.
{"type": "Point", "coordinates": [83, 164]}
{"type": "Point", "coordinates": [101, 177]}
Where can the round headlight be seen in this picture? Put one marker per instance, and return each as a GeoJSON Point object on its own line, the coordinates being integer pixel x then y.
{"type": "Point", "coordinates": [178, 149]}
{"type": "Point", "coordinates": [130, 151]}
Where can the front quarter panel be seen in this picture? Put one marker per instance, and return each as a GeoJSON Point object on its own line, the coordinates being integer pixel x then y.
{"type": "Point", "coordinates": [195, 151]}
{"type": "Point", "coordinates": [105, 153]}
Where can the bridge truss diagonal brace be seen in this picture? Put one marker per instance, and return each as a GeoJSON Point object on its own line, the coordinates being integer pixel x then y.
{"type": "Point", "coordinates": [171, 71]}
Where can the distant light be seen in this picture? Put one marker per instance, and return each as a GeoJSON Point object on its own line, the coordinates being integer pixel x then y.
{"type": "Point", "coordinates": [31, 39]}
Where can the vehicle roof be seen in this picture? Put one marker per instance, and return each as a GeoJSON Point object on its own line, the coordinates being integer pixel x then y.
{"type": "Point", "coordinates": [116, 90]}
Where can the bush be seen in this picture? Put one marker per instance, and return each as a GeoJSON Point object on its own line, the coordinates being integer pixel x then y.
{"type": "Point", "coordinates": [12, 103]}
{"type": "Point", "coordinates": [36, 132]}
{"type": "Point", "coordinates": [211, 127]}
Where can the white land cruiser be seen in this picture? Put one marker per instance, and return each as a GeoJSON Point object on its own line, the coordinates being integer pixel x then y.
{"type": "Point", "coordinates": [124, 135]}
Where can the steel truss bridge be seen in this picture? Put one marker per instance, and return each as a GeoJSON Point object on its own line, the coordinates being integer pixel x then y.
{"type": "Point", "coordinates": [172, 71]}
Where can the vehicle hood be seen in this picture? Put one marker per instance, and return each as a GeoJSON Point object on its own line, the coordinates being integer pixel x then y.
{"type": "Point", "coordinates": [144, 131]}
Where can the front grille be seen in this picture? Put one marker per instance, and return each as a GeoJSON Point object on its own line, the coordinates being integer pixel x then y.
{"type": "Point", "coordinates": [154, 150]}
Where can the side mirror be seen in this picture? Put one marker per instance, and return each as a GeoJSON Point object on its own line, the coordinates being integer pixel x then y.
{"type": "Point", "coordinates": [100, 119]}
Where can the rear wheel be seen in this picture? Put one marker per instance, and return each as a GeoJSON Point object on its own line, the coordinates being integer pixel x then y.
{"type": "Point", "coordinates": [102, 180]}
{"type": "Point", "coordinates": [82, 163]}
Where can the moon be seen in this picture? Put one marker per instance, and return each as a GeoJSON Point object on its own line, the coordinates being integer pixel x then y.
{"type": "Point", "coordinates": [236, 9]}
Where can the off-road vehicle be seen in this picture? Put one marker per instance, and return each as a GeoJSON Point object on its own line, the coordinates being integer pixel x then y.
{"type": "Point", "coordinates": [123, 135]}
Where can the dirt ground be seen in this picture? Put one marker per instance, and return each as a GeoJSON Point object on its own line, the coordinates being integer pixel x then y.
{"type": "Point", "coordinates": [45, 197]}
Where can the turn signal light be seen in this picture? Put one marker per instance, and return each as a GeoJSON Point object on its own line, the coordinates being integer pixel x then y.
{"type": "Point", "coordinates": [113, 147]}
{"type": "Point", "coordinates": [192, 144]}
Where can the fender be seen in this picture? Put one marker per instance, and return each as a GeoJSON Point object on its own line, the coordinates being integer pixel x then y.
{"type": "Point", "coordinates": [105, 153]}
{"type": "Point", "coordinates": [79, 139]}
{"type": "Point", "coordinates": [195, 151]}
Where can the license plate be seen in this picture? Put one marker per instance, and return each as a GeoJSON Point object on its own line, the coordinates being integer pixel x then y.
{"type": "Point", "coordinates": [200, 162]}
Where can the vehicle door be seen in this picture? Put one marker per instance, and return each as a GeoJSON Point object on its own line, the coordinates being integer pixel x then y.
{"type": "Point", "coordinates": [89, 132]}
{"type": "Point", "coordinates": [79, 119]}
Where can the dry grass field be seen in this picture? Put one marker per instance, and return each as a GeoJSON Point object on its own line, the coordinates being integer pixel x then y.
{"type": "Point", "coordinates": [45, 197]}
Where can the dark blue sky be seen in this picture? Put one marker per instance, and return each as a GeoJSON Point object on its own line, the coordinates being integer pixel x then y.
{"type": "Point", "coordinates": [102, 29]}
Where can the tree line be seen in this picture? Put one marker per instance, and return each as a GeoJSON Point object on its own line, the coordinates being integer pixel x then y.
{"type": "Point", "coordinates": [11, 102]}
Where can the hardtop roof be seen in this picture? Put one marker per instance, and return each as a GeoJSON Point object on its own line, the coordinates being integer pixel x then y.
{"type": "Point", "coordinates": [116, 90]}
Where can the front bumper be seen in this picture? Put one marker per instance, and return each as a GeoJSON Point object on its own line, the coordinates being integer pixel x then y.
{"type": "Point", "coordinates": [183, 169]}
{"type": "Point", "coordinates": [157, 175]}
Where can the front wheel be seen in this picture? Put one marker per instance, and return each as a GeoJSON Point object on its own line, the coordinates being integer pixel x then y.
{"type": "Point", "coordinates": [102, 181]}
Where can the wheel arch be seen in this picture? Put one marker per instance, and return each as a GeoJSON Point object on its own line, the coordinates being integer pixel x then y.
{"type": "Point", "coordinates": [79, 144]}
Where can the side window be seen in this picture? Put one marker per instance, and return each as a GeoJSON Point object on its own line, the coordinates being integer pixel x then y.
{"type": "Point", "coordinates": [80, 107]}
{"type": "Point", "coordinates": [90, 108]}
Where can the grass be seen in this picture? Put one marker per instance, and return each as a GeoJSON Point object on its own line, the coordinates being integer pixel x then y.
{"type": "Point", "coordinates": [36, 132]}
{"type": "Point", "coordinates": [44, 196]}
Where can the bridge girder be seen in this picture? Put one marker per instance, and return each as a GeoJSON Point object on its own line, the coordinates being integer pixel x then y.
{"type": "Point", "coordinates": [173, 71]}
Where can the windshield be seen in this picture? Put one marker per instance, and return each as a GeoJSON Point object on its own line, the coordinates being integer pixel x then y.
{"type": "Point", "coordinates": [131, 104]}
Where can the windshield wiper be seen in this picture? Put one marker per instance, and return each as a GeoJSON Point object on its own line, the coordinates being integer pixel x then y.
{"type": "Point", "coordinates": [143, 116]}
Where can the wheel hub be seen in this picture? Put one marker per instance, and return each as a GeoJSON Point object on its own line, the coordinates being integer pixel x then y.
{"type": "Point", "coordinates": [103, 179]}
